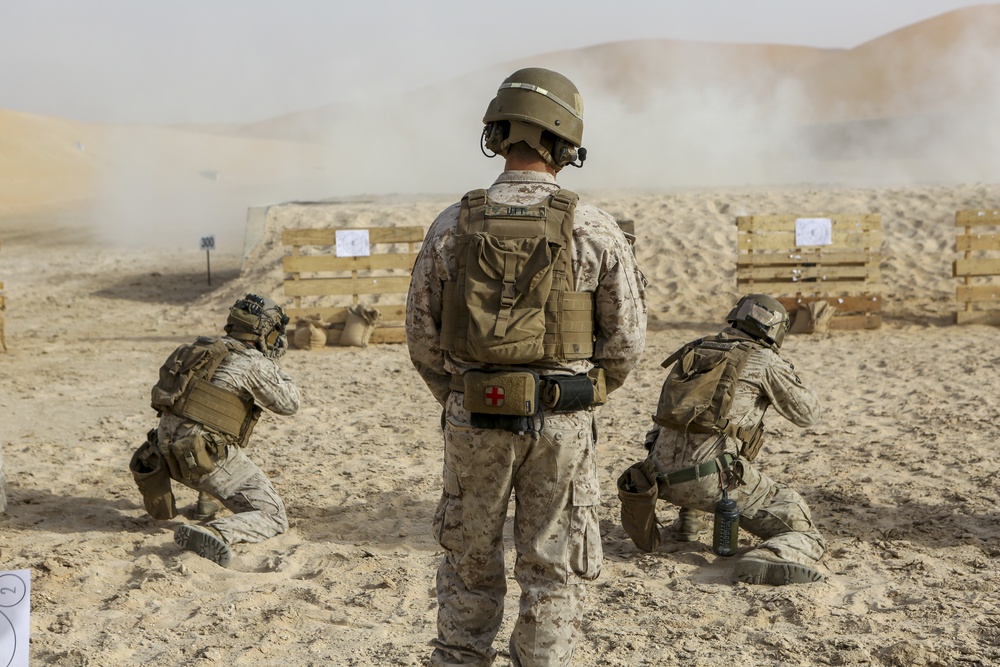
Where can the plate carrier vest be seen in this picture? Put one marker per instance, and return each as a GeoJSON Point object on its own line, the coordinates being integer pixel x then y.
{"type": "Point", "coordinates": [512, 300]}
{"type": "Point", "coordinates": [185, 389]}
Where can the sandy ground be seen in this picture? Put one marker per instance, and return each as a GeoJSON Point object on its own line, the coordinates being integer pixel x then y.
{"type": "Point", "coordinates": [900, 471]}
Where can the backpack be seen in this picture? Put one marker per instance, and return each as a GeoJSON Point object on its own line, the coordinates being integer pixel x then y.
{"type": "Point", "coordinates": [199, 360]}
{"type": "Point", "coordinates": [698, 392]}
{"type": "Point", "coordinates": [512, 300]}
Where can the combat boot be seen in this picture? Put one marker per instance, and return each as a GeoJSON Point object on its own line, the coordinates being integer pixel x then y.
{"type": "Point", "coordinates": [208, 505]}
{"type": "Point", "coordinates": [763, 566]}
{"type": "Point", "coordinates": [691, 525]}
{"type": "Point", "coordinates": [205, 541]}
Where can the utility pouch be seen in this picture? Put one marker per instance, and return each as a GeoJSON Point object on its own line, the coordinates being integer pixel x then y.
{"type": "Point", "coordinates": [596, 375]}
{"type": "Point", "coordinates": [512, 393]}
{"type": "Point", "coordinates": [754, 441]}
{"type": "Point", "coordinates": [191, 457]}
{"type": "Point", "coordinates": [149, 470]}
{"type": "Point", "coordinates": [638, 490]}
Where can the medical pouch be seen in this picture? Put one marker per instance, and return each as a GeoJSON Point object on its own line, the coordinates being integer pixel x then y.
{"type": "Point", "coordinates": [501, 393]}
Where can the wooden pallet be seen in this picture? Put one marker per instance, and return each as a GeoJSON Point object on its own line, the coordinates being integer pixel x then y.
{"type": "Point", "coordinates": [332, 284]}
{"type": "Point", "coordinates": [978, 241]}
{"type": "Point", "coordinates": [843, 271]}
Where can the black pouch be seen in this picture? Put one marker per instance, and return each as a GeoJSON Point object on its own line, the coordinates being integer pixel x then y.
{"type": "Point", "coordinates": [567, 393]}
{"type": "Point", "coordinates": [638, 490]}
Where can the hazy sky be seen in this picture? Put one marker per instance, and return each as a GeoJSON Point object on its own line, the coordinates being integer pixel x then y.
{"type": "Point", "coordinates": [166, 61]}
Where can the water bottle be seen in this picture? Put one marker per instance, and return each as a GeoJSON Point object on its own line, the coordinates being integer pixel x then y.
{"type": "Point", "coordinates": [726, 534]}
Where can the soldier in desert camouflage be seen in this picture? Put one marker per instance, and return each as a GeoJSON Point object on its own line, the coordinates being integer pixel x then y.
{"type": "Point", "coordinates": [526, 308]}
{"type": "Point", "coordinates": [694, 464]}
{"type": "Point", "coordinates": [209, 396]}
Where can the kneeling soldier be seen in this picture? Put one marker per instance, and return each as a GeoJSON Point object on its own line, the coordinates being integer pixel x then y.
{"type": "Point", "coordinates": [709, 428]}
{"type": "Point", "coordinates": [209, 396]}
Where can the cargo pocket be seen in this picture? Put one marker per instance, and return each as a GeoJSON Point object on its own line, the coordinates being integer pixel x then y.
{"type": "Point", "coordinates": [585, 550]}
{"type": "Point", "coordinates": [448, 516]}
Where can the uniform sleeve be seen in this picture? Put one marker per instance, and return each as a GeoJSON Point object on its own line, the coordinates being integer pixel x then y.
{"type": "Point", "coordinates": [793, 400]}
{"type": "Point", "coordinates": [620, 313]}
{"type": "Point", "coordinates": [423, 309]}
{"type": "Point", "coordinates": [272, 388]}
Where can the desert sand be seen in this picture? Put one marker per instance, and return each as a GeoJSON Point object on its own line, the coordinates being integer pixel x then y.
{"type": "Point", "coordinates": [103, 279]}
{"type": "Point", "coordinates": [899, 472]}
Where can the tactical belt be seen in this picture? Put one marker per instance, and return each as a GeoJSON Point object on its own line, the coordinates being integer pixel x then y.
{"type": "Point", "coordinates": [703, 470]}
{"type": "Point", "coordinates": [557, 393]}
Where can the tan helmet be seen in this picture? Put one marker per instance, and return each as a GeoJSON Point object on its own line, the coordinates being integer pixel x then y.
{"type": "Point", "coordinates": [532, 101]}
{"type": "Point", "coordinates": [260, 321]}
{"type": "Point", "coordinates": [760, 316]}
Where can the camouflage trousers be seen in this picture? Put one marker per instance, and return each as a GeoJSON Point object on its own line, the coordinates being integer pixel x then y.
{"type": "Point", "coordinates": [770, 510]}
{"type": "Point", "coordinates": [243, 488]}
{"type": "Point", "coordinates": [553, 477]}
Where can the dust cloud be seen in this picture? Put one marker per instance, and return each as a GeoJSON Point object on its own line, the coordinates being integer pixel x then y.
{"type": "Point", "coordinates": [918, 106]}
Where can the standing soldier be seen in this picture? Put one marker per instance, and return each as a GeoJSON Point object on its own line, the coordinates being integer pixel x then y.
{"type": "Point", "coordinates": [209, 396]}
{"type": "Point", "coordinates": [525, 310]}
{"type": "Point", "coordinates": [709, 427]}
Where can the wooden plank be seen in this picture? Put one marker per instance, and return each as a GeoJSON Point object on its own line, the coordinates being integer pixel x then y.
{"type": "Point", "coordinates": [978, 317]}
{"type": "Point", "coordinates": [808, 273]}
{"type": "Point", "coordinates": [338, 314]}
{"type": "Point", "coordinates": [806, 289]}
{"type": "Point", "coordinates": [807, 256]}
{"type": "Point", "coordinates": [969, 243]}
{"type": "Point", "coordinates": [842, 304]}
{"type": "Point", "coordinates": [785, 240]}
{"type": "Point", "coordinates": [328, 235]}
{"type": "Point", "coordinates": [976, 218]}
{"type": "Point", "coordinates": [347, 286]}
{"type": "Point", "coordinates": [779, 223]}
{"type": "Point", "coordinates": [976, 267]}
{"type": "Point", "coordinates": [320, 263]}
{"type": "Point", "coordinates": [978, 293]}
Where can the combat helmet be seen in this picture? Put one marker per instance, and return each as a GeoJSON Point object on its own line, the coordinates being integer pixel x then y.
{"type": "Point", "coordinates": [530, 103]}
{"type": "Point", "coordinates": [760, 316]}
{"type": "Point", "coordinates": [261, 322]}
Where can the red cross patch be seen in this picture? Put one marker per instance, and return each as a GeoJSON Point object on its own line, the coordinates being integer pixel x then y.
{"type": "Point", "coordinates": [494, 396]}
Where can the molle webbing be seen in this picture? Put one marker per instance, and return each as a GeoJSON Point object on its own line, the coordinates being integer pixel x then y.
{"type": "Point", "coordinates": [698, 392]}
{"type": "Point", "coordinates": [216, 408]}
{"type": "Point", "coordinates": [568, 315]}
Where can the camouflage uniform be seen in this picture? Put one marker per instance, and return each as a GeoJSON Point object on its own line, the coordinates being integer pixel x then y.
{"type": "Point", "coordinates": [237, 482]}
{"type": "Point", "coordinates": [768, 509]}
{"type": "Point", "coordinates": [553, 473]}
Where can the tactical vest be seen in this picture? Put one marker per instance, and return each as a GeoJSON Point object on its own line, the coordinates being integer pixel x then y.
{"type": "Point", "coordinates": [698, 392]}
{"type": "Point", "coordinates": [185, 389]}
{"type": "Point", "coordinates": [512, 300]}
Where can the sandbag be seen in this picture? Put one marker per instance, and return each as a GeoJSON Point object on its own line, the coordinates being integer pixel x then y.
{"type": "Point", "coordinates": [309, 335]}
{"type": "Point", "coordinates": [361, 322]}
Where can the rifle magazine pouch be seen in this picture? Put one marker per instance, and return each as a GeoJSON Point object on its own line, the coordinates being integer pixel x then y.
{"type": "Point", "coordinates": [149, 470]}
{"type": "Point", "coordinates": [193, 456]}
{"type": "Point", "coordinates": [501, 393]}
{"type": "Point", "coordinates": [638, 491]}
{"type": "Point", "coordinates": [755, 440]}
